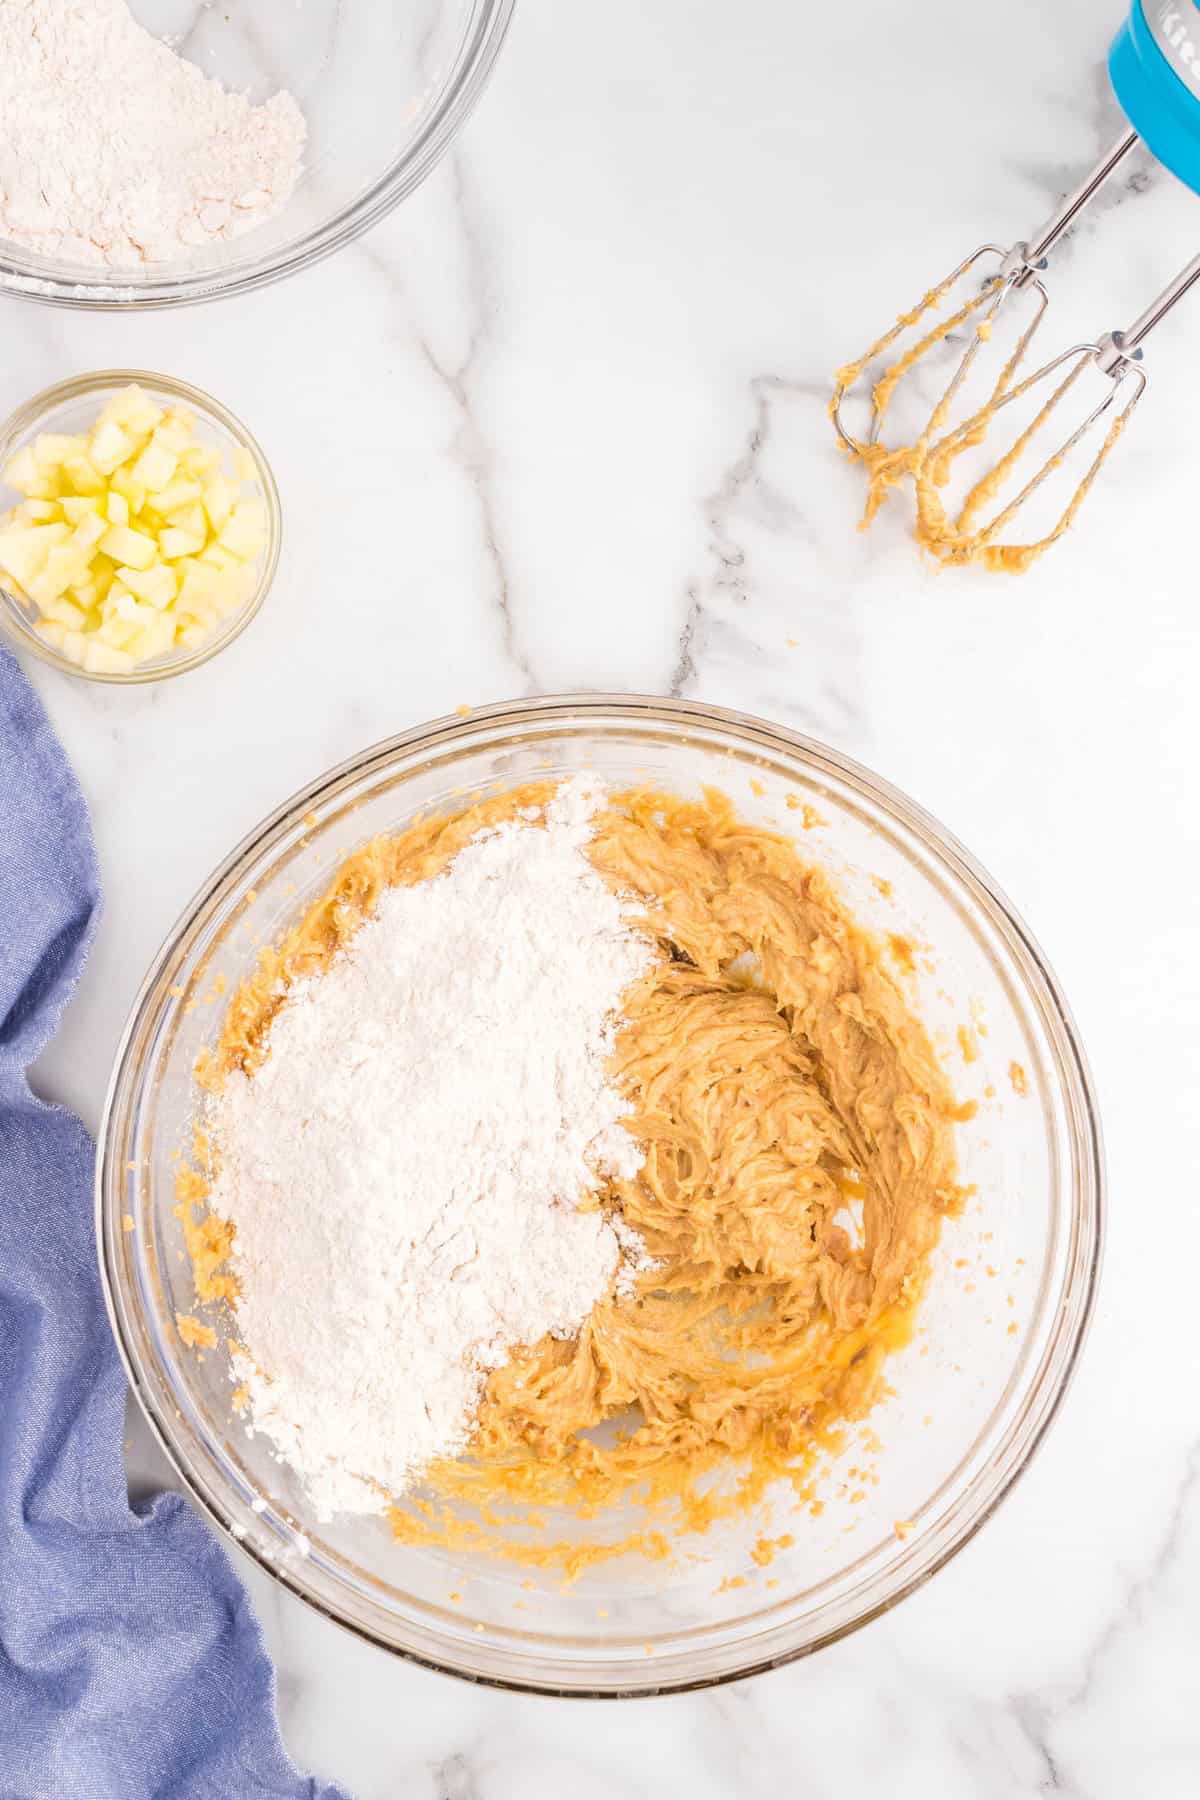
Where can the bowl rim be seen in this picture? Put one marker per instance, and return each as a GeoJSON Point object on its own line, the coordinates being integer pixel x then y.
{"type": "Point", "coordinates": [24, 421]}
{"type": "Point", "coordinates": [1049, 1380]}
{"type": "Point", "coordinates": [482, 42]}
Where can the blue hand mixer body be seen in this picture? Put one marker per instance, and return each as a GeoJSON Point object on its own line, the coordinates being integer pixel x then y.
{"type": "Point", "coordinates": [1154, 67]}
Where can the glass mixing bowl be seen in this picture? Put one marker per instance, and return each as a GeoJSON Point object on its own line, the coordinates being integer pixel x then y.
{"type": "Point", "coordinates": [384, 88]}
{"type": "Point", "coordinates": [1000, 1328]}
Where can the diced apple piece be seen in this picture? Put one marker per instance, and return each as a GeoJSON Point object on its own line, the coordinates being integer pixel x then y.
{"type": "Point", "coordinates": [116, 507]}
{"type": "Point", "coordinates": [55, 531]}
{"type": "Point", "coordinates": [40, 487]}
{"type": "Point", "coordinates": [252, 512]}
{"type": "Point", "coordinates": [154, 640]}
{"type": "Point", "coordinates": [52, 448]}
{"type": "Point", "coordinates": [157, 586]}
{"type": "Point", "coordinates": [132, 492]}
{"type": "Point", "coordinates": [135, 410]}
{"type": "Point", "coordinates": [23, 552]}
{"type": "Point", "coordinates": [244, 465]}
{"type": "Point", "coordinates": [177, 432]}
{"type": "Point", "coordinates": [83, 475]}
{"type": "Point", "coordinates": [156, 465]}
{"type": "Point", "coordinates": [220, 498]}
{"type": "Point", "coordinates": [142, 648]}
{"type": "Point", "coordinates": [192, 636]}
{"type": "Point", "coordinates": [200, 461]}
{"type": "Point", "coordinates": [74, 645]}
{"type": "Point", "coordinates": [234, 590]}
{"type": "Point", "coordinates": [173, 543]}
{"type": "Point", "coordinates": [37, 512]}
{"type": "Point", "coordinates": [101, 659]}
{"type": "Point", "coordinates": [65, 612]}
{"type": "Point", "coordinates": [243, 538]}
{"type": "Point", "coordinates": [125, 610]}
{"type": "Point", "coordinates": [204, 613]}
{"type": "Point", "coordinates": [74, 506]}
{"type": "Point", "coordinates": [87, 534]}
{"type": "Point", "coordinates": [166, 632]}
{"type": "Point", "coordinates": [127, 546]}
{"type": "Point", "coordinates": [198, 589]}
{"type": "Point", "coordinates": [119, 633]}
{"type": "Point", "coordinates": [119, 603]}
{"type": "Point", "coordinates": [109, 446]}
{"type": "Point", "coordinates": [100, 579]}
{"type": "Point", "coordinates": [219, 558]}
{"type": "Point", "coordinates": [62, 568]}
{"type": "Point", "coordinates": [21, 472]}
{"type": "Point", "coordinates": [144, 617]}
{"type": "Point", "coordinates": [51, 632]}
{"type": "Point", "coordinates": [191, 518]}
{"type": "Point", "coordinates": [180, 492]}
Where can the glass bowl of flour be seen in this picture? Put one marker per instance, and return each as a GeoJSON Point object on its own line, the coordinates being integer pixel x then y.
{"type": "Point", "coordinates": [154, 152]}
{"type": "Point", "coordinates": [968, 1399]}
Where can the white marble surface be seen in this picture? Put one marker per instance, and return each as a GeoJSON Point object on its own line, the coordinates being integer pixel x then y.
{"type": "Point", "coordinates": [560, 422]}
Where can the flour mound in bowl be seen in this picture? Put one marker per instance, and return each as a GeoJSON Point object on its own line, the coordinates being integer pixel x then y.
{"type": "Point", "coordinates": [404, 1171]}
{"type": "Point", "coordinates": [116, 152]}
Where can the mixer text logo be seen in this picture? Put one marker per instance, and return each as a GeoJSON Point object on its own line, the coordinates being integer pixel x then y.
{"type": "Point", "coordinates": [1176, 41]}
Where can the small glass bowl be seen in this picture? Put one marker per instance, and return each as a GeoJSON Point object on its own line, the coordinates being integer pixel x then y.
{"type": "Point", "coordinates": [970, 1398]}
{"type": "Point", "coordinates": [384, 89]}
{"type": "Point", "coordinates": [73, 406]}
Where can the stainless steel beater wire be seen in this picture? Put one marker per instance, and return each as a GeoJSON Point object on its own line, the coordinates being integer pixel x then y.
{"type": "Point", "coordinates": [1064, 450]}
{"type": "Point", "coordinates": [888, 339]}
{"type": "Point", "coordinates": [952, 438]}
{"type": "Point", "coordinates": [1081, 491]}
{"type": "Point", "coordinates": [1031, 255]}
{"type": "Point", "coordinates": [1081, 355]}
{"type": "Point", "coordinates": [1125, 370]}
{"type": "Point", "coordinates": [1002, 290]}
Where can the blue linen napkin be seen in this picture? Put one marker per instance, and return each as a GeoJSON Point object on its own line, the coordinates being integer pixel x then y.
{"type": "Point", "coordinates": [131, 1665]}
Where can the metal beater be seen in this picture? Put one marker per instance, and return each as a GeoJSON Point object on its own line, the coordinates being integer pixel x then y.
{"type": "Point", "coordinates": [1154, 66]}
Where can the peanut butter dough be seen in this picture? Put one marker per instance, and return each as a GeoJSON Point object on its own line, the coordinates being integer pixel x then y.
{"type": "Point", "coordinates": [799, 1163]}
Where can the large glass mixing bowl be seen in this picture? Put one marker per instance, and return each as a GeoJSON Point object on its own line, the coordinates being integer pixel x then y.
{"type": "Point", "coordinates": [384, 85]}
{"type": "Point", "coordinates": [1001, 1324]}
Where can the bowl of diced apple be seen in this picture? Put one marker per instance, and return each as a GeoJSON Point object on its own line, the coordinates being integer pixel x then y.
{"type": "Point", "coordinates": [139, 526]}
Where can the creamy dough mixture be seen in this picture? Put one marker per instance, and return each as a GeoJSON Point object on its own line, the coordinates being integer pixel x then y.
{"type": "Point", "coordinates": [799, 1136]}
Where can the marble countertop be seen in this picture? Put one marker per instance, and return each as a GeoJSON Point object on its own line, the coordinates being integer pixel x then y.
{"type": "Point", "coordinates": [560, 423]}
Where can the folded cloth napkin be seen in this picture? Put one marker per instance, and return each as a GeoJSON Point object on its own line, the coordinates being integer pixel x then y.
{"type": "Point", "coordinates": [131, 1666]}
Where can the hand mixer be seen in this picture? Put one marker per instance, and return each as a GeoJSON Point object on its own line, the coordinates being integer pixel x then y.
{"type": "Point", "coordinates": [1154, 67]}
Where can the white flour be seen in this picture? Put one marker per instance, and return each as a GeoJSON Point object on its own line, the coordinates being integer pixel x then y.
{"type": "Point", "coordinates": [403, 1171]}
{"type": "Point", "coordinates": [115, 151]}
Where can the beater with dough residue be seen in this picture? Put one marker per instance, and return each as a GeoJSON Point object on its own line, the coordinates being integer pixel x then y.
{"type": "Point", "coordinates": [1154, 65]}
